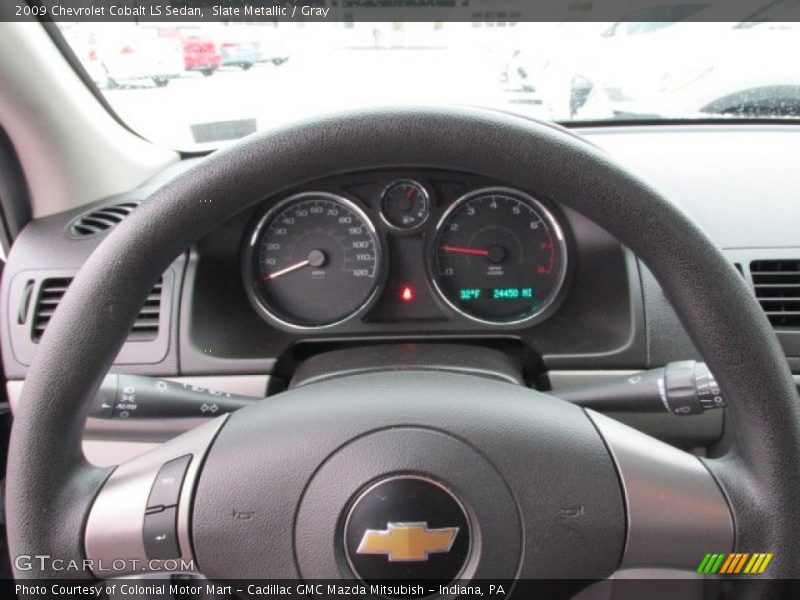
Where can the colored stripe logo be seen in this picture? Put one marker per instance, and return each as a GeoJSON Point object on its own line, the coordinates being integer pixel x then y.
{"type": "Point", "coordinates": [735, 563]}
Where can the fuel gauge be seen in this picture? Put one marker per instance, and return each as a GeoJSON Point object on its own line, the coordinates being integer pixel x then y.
{"type": "Point", "coordinates": [405, 204]}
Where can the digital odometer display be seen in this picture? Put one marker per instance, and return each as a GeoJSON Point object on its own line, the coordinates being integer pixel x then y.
{"type": "Point", "coordinates": [314, 260]}
{"type": "Point", "coordinates": [499, 257]}
{"type": "Point", "coordinates": [495, 293]}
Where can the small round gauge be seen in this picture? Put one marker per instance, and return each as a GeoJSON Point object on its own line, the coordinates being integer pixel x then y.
{"type": "Point", "coordinates": [499, 257]}
{"type": "Point", "coordinates": [405, 204]}
{"type": "Point", "coordinates": [313, 260]}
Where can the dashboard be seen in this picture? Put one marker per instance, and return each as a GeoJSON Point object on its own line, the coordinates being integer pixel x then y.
{"type": "Point", "coordinates": [379, 256]}
{"type": "Point", "coordinates": [396, 257]}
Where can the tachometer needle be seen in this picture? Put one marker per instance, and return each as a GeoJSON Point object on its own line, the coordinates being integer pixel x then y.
{"type": "Point", "coordinates": [461, 250]}
{"type": "Point", "coordinates": [289, 269]}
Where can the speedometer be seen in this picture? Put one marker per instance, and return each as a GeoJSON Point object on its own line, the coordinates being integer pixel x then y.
{"type": "Point", "coordinates": [499, 257]}
{"type": "Point", "coordinates": [314, 260]}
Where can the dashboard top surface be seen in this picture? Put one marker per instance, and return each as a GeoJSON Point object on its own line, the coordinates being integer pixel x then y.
{"type": "Point", "coordinates": [739, 182]}
{"type": "Point", "coordinates": [717, 173]}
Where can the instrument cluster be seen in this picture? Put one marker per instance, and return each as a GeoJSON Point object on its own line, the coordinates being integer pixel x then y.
{"type": "Point", "coordinates": [478, 252]}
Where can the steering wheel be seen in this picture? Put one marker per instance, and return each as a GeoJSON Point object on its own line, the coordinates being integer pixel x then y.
{"type": "Point", "coordinates": [415, 474]}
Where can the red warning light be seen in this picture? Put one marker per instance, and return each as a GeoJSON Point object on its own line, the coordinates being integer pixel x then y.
{"type": "Point", "coordinates": [407, 294]}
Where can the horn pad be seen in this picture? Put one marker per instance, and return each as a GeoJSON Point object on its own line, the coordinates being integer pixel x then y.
{"type": "Point", "coordinates": [408, 504]}
{"type": "Point", "coordinates": [407, 527]}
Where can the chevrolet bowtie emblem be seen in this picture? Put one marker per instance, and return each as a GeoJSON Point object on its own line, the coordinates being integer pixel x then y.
{"type": "Point", "coordinates": [407, 541]}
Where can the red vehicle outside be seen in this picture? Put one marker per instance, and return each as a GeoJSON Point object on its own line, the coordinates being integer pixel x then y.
{"type": "Point", "coordinates": [200, 53]}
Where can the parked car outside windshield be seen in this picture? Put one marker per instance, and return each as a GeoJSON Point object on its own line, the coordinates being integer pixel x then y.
{"type": "Point", "coordinates": [203, 85]}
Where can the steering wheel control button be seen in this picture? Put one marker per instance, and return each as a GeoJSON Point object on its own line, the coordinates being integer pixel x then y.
{"type": "Point", "coordinates": [166, 488]}
{"type": "Point", "coordinates": [120, 525]}
{"type": "Point", "coordinates": [407, 527]}
{"type": "Point", "coordinates": [160, 534]}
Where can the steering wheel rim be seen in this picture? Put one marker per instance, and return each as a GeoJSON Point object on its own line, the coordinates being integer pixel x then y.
{"type": "Point", "coordinates": [757, 470]}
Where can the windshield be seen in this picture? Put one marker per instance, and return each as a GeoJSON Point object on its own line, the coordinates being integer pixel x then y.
{"type": "Point", "coordinates": [200, 85]}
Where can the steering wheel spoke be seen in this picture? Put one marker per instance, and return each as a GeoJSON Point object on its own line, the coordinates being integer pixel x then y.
{"type": "Point", "coordinates": [140, 520]}
{"type": "Point", "coordinates": [676, 511]}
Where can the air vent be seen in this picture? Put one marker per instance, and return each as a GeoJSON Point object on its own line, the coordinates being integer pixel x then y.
{"type": "Point", "coordinates": [145, 328]}
{"type": "Point", "coordinates": [777, 287]}
{"type": "Point", "coordinates": [101, 219]}
{"type": "Point", "coordinates": [50, 294]}
{"type": "Point", "coordinates": [146, 325]}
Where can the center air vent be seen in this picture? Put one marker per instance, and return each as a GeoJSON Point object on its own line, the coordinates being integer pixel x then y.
{"type": "Point", "coordinates": [777, 287]}
{"type": "Point", "coordinates": [101, 219]}
{"type": "Point", "coordinates": [145, 328]}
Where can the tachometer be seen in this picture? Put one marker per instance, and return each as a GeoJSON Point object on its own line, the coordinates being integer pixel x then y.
{"type": "Point", "coordinates": [314, 260]}
{"type": "Point", "coordinates": [499, 257]}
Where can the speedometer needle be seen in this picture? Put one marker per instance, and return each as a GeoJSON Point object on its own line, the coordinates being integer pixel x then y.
{"type": "Point", "coordinates": [289, 269]}
{"type": "Point", "coordinates": [461, 250]}
{"type": "Point", "coordinates": [316, 258]}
